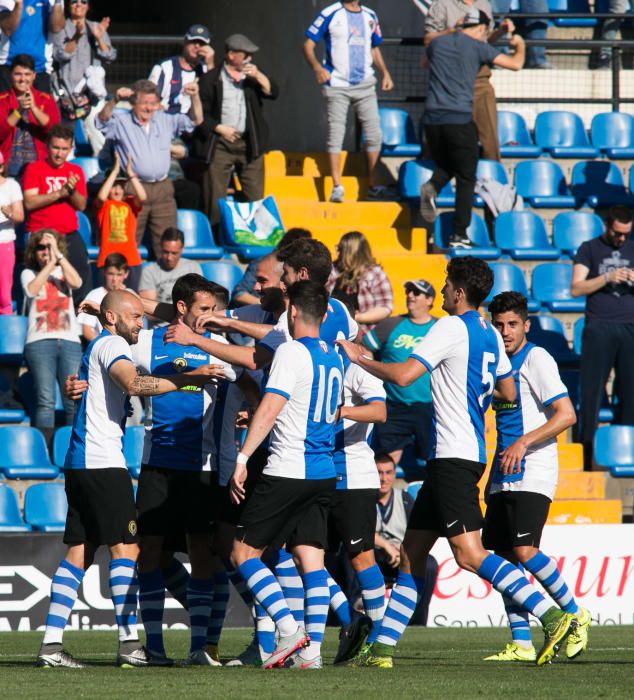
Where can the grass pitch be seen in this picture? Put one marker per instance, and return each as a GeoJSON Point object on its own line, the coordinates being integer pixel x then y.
{"type": "Point", "coordinates": [430, 663]}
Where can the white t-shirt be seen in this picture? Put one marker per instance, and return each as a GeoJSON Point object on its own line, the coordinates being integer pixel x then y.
{"type": "Point", "coordinates": [84, 319]}
{"type": "Point", "coordinates": [10, 192]}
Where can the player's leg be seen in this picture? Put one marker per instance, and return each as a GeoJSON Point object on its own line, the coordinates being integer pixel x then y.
{"type": "Point", "coordinates": [219, 606]}
{"type": "Point", "coordinates": [124, 591]}
{"type": "Point", "coordinates": [283, 566]}
{"type": "Point", "coordinates": [339, 603]}
{"type": "Point", "coordinates": [175, 577]}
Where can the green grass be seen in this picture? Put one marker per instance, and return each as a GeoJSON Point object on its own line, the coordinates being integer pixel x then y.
{"type": "Point", "coordinates": [430, 663]}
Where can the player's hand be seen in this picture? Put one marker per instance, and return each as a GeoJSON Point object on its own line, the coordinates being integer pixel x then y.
{"type": "Point", "coordinates": [89, 307]}
{"type": "Point", "coordinates": [387, 83]}
{"type": "Point", "coordinates": [511, 457]}
{"type": "Point", "coordinates": [206, 373]}
{"type": "Point", "coordinates": [74, 387]}
{"type": "Point", "coordinates": [213, 320]}
{"type": "Point", "coordinates": [354, 351]}
{"type": "Point", "coordinates": [236, 485]}
{"type": "Point", "coordinates": [180, 333]}
{"type": "Point", "coordinates": [322, 75]}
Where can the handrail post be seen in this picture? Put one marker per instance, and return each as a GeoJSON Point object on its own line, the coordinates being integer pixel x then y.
{"type": "Point", "coordinates": [616, 82]}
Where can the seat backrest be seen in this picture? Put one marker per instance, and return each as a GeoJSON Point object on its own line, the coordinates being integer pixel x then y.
{"type": "Point", "coordinates": [540, 178]}
{"type": "Point", "coordinates": [85, 230]}
{"type": "Point", "coordinates": [133, 445]}
{"type": "Point", "coordinates": [547, 323]}
{"type": "Point", "coordinates": [61, 440]}
{"type": "Point", "coordinates": [506, 278]}
{"type": "Point", "coordinates": [569, 6]}
{"type": "Point", "coordinates": [21, 445]}
{"type": "Point", "coordinates": [492, 170]}
{"type": "Point", "coordinates": [551, 281]}
{"type": "Point", "coordinates": [512, 129]}
{"type": "Point", "coordinates": [558, 128]}
{"type": "Point", "coordinates": [614, 446]}
{"type": "Point", "coordinates": [195, 226]}
{"type": "Point", "coordinates": [572, 228]}
{"type": "Point", "coordinates": [222, 272]}
{"type": "Point", "coordinates": [577, 334]}
{"type": "Point", "coordinates": [88, 164]}
{"type": "Point", "coordinates": [612, 130]}
{"type": "Point", "coordinates": [596, 175]}
{"type": "Point", "coordinates": [12, 334]}
{"type": "Point", "coordinates": [9, 509]}
{"type": "Point", "coordinates": [411, 175]}
{"type": "Point", "coordinates": [520, 229]}
{"type": "Point", "coordinates": [45, 504]}
{"type": "Point", "coordinates": [477, 230]}
{"type": "Point", "coordinates": [397, 127]}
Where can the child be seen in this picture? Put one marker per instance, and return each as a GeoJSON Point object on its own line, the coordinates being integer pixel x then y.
{"type": "Point", "coordinates": [116, 216]}
{"type": "Point", "coordinates": [11, 214]}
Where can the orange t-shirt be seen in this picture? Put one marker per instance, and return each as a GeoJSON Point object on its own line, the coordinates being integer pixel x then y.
{"type": "Point", "coordinates": [117, 230]}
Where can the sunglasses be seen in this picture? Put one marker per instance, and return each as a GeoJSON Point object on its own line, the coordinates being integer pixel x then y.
{"type": "Point", "coordinates": [414, 290]}
{"type": "Point", "coordinates": [41, 247]}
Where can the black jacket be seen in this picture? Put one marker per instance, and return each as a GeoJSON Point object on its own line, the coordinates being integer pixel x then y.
{"type": "Point", "coordinates": [257, 132]}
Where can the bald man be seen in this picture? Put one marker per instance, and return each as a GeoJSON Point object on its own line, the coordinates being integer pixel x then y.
{"type": "Point", "coordinates": [98, 487]}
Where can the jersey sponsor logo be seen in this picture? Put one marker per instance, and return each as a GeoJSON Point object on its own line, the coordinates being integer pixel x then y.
{"type": "Point", "coordinates": [505, 405]}
{"type": "Point", "coordinates": [194, 356]}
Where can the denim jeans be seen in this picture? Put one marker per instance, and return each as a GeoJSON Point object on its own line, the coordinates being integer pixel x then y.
{"type": "Point", "coordinates": [530, 29]}
{"type": "Point", "coordinates": [50, 361]}
{"type": "Point", "coordinates": [610, 27]}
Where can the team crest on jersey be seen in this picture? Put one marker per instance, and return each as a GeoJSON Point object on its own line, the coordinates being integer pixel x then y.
{"type": "Point", "coordinates": [30, 11]}
{"type": "Point", "coordinates": [180, 364]}
{"type": "Point", "coordinates": [132, 527]}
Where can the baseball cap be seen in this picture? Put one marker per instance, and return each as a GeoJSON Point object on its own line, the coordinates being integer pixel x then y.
{"type": "Point", "coordinates": [423, 286]}
{"type": "Point", "coordinates": [239, 42]}
{"type": "Point", "coordinates": [198, 32]}
{"type": "Point", "coordinates": [475, 17]}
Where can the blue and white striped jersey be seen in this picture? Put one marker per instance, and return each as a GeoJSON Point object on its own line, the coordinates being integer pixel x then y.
{"type": "Point", "coordinates": [170, 78]}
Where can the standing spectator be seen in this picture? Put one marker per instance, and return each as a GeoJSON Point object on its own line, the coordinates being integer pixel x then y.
{"type": "Point", "coordinates": [409, 413]}
{"type": "Point", "coordinates": [352, 35]}
{"type": "Point", "coordinates": [79, 82]}
{"type": "Point", "coordinates": [52, 350]}
{"type": "Point", "coordinates": [234, 134]}
{"type": "Point", "coordinates": [145, 134]}
{"type": "Point", "coordinates": [54, 191]}
{"type": "Point", "coordinates": [174, 73]}
{"type": "Point", "coordinates": [455, 59]}
{"type": "Point", "coordinates": [26, 25]}
{"type": "Point", "coordinates": [186, 191]}
{"type": "Point", "coordinates": [532, 29]}
{"type": "Point", "coordinates": [26, 116]}
{"type": "Point", "coordinates": [603, 270]}
{"type": "Point", "coordinates": [11, 214]}
{"type": "Point", "coordinates": [360, 282]}
{"type": "Point", "coordinates": [609, 28]}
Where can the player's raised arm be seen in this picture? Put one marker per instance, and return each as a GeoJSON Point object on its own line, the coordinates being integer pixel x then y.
{"type": "Point", "coordinates": [399, 373]}
{"type": "Point", "coordinates": [125, 375]}
{"type": "Point", "coordinates": [371, 412]}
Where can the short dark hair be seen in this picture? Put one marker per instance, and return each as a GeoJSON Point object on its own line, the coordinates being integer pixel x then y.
{"type": "Point", "coordinates": [23, 60]}
{"type": "Point", "coordinates": [116, 260]}
{"type": "Point", "coordinates": [59, 131]}
{"type": "Point", "coordinates": [311, 254]}
{"type": "Point", "coordinates": [509, 301]}
{"type": "Point", "coordinates": [187, 286]}
{"type": "Point", "coordinates": [221, 293]}
{"type": "Point", "coordinates": [172, 233]}
{"type": "Point", "coordinates": [384, 457]}
{"type": "Point", "coordinates": [620, 213]}
{"type": "Point", "coordinates": [292, 235]}
{"type": "Point", "coordinates": [473, 275]}
{"type": "Point", "coordinates": [309, 297]}
{"type": "Point", "coordinates": [143, 87]}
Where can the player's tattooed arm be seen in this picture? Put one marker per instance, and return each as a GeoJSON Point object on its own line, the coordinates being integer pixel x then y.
{"type": "Point", "coordinates": [144, 386]}
{"type": "Point", "coordinates": [125, 375]}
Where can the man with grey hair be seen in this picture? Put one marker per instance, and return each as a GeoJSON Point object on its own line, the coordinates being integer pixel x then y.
{"type": "Point", "coordinates": [145, 134]}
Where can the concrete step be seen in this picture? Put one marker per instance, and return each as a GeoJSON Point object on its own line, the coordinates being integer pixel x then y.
{"type": "Point", "coordinates": [348, 216]}
{"type": "Point", "coordinates": [579, 512]}
{"type": "Point", "coordinates": [580, 485]}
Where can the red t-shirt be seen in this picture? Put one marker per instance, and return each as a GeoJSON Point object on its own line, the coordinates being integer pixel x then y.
{"type": "Point", "coordinates": [61, 215]}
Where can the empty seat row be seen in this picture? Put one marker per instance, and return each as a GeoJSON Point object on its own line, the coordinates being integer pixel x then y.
{"type": "Point", "coordinates": [45, 509]}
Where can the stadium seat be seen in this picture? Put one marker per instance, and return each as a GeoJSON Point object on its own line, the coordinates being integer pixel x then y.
{"type": "Point", "coordinates": [548, 333]}
{"type": "Point", "coordinates": [133, 448]}
{"type": "Point", "coordinates": [10, 518]}
{"type": "Point", "coordinates": [542, 184]}
{"type": "Point", "coordinates": [45, 507]}
{"type": "Point", "coordinates": [614, 449]}
{"type": "Point", "coordinates": [23, 454]}
{"type": "Point", "coordinates": [563, 135]}
{"type": "Point", "coordinates": [85, 231]}
{"type": "Point", "coordinates": [547, 323]}
{"type": "Point", "coordinates": [414, 173]}
{"type": "Point", "coordinates": [12, 338]}
{"type": "Point", "coordinates": [631, 178]}
{"type": "Point", "coordinates": [413, 488]}
{"type": "Point", "coordinates": [89, 165]}
{"type": "Point", "coordinates": [61, 440]}
{"type": "Point", "coordinates": [571, 7]}
{"type": "Point", "coordinates": [223, 272]}
{"type": "Point", "coordinates": [27, 395]}
{"type": "Point", "coordinates": [82, 145]}
{"type": "Point", "coordinates": [599, 183]}
{"type": "Point", "coordinates": [9, 415]}
{"type": "Point", "coordinates": [522, 235]}
{"type": "Point", "coordinates": [572, 381]}
{"type": "Point", "coordinates": [613, 134]}
{"type": "Point", "coordinates": [572, 228]}
{"type": "Point", "coordinates": [551, 287]}
{"type": "Point", "coordinates": [508, 277]}
{"type": "Point", "coordinates": [199, 241]}
{"type": "Point", "coordinates": [514, 137]}
{"type": "Point", "coordinates": [227, 231]}
{"type": "Point", "coordinates": [577, 334]}
{"type": "Point", "coordinates": [399, 137]}
{"type": "Point", "coordinates": [489, 170]}
{"type": "Point", "coordinates": [477, 232]}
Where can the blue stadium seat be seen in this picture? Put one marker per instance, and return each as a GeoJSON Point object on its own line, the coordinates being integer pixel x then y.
{"type": "Point", "coordinates": [551, 286]}
{"type": "Point", "coordinates": [61, 440]}
{"type": "Point", "coordinates": [223, 272]}
{"type": "Point", "coordinates": [10, 518]}
{"type": "Point", "coordinates": [414, 173]}
{"type": "Point", "coordinates": [551, 337]}
{"type": "Point", "coordinates": [599, 183]}
{"type": "Point", "coordinates": [542, 184]}
{"type": "Point", "coordinates": [477, 232]}
{"type": "Point", "coordinates": [631, 178]}
{"type": "Point", "coordinates": [12, 338]}
{"type": "Point", "coordinates": [85, 231]}
{"type": "Point", "coordinates": [9, 415]}
{"type": "Point", "coordinates": [133, 448]}
{"type": "Point", "coordinates": [514, 137]}
{"type": "Point", "coordinates": [522, 235]}
{"type": "Point", "coordinates": [613, 134]}
{"type": "Point", "coordinates": [413, 488]}
{"type": "Point", "coordinates": [23, 454]}
{"type": "Point", "coordinates": [571, 7]}
{"type": "Point", "coordinates": [27, 394]}
{"type": "Point", "coordinates": [89, 165]}
{"type": "Point", "coordinates": [398, 134]}
{"type": "Point", "coordinates": [548, 323]}
{"type": "Point", "coordinates": [572, 228]}
{"type": "Point", "coordinates": [45, 507]}
{"type": "Point", "coordinates": [507, 277]}
{"type": "Point", "coordinates": [489, 170]}
{"type": "Point", "coordinates": [82, 145]}
{"type": "Point", "coordinates": [577, 334]}
{"type": "Point", "coordinates": [572, 381]}
{"type": "Point", "coordinates": [199, 241]}
{"type": "Point", "coordinates": [614, 449]}
{"type": "Point", "coordinates": [563, 135]}
{"type": "Point", "coordinates": [227, 233]}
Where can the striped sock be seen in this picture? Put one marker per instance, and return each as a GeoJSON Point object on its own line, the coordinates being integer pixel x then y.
{"type": "Point", "coordinates": [152, 605]}
{"type": "Point", "coordinates": [518, 621]}
{"type": "Point", "coordinates": [291, 584]}
{"type": "Point", "coordinates": [372, 586]}
{"type": "Point", "coordinates": [239, 584]}
{"type": "Point", "coordinates": [175, 579]}
{"type": "Point", "coordinates": [545, 570]}
{"type": "Point", "coordinates": [124, 591]}
{"type": "Point", "coordinates": [508, 580]}
{"type": "Point", "coordinates": [265, 631]}
{"type": "Point", "coordinates": [218, 607]}
{"type": "Point", "coordinates": [338, 602]}
{"type": "Point", "coordinates": [199, 601]}
{"type": "Point", "coordinates": [403, 601]}
{"type": "Point", "coordinates": [64, 586]}
{"type": "Point", "coordinates": [266, 590]}
{"type": "Point", "coordinates": [317, 601]}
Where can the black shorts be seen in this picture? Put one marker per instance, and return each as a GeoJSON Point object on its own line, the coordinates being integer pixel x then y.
{"type": "Point", "coordinates": [514, 519]}
{"type": "Point", "coordinates": [228, 511]}
{"type": "Point", "coordinates": [352, 520]}
{"type": "Point", "coordinates": [291, 511]}
{"type": "Point", "coordinates": [172, 501]}
{"type": "Point", "coordinates": [101, 507]}
{"type": "Point", "coordinates": [448, 501]}
{"type": "Point", "coordinates": [405, 424]}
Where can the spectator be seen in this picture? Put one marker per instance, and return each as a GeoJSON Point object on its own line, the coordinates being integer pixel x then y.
{"type": "Point", "coordinates": [609, 28]}
{"type": "Point", "coordinates": [79, 80]}
{"type": "Point", "coordinates": [603, 271]}
{"type": "Point", "coordinates": [26, 116]}
{"type": "Point", "coordinates": [117, 218]}
{"type": "Point", "coordinates": [26, 26]}
{"type": "Point", "coordinates": [52, 350]}
{"type": "Point", "coordinates": [54, 191]}
{"type": "Point", "coordinates": [532, 29]}
{"type": "Point", "coordinates": [186, 191]}
{"type": "Point", "coordinates": [352, 35]}
{"type": "Point", "coordinates": [234, 134]}
{"type": "Point", "coordinates": [11, 214]}
{"type": "Point", "coordinates": [146, 134]}
{"type": "Point", "coordinates": [360, 282]}
{"type": "Point", "coordinates": [409, 411]}
{"type": "Point", "coordinates": [174, 73]}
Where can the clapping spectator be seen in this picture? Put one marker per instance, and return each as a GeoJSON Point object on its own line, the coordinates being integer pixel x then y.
{"type": "Point", "coordinates": [11, 214]}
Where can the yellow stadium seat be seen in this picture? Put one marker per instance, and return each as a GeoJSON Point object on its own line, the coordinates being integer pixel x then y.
{"type": "Point", "coordinates": [577, 485]}
{"type": "Point", "coordinates": [570, 456]}
{"type": "Point", "coordinates": [348, 216]}
{"type": "Point", "coordinates": [578, 512]}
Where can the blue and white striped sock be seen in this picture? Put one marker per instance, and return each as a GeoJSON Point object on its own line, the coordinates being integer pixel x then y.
{"type": "Point", "coordinates": [405, 596]}
{"type": "Point", "coordinates": [508, 580]}
{"type": "Point", "coordinates": [175, 579]}
{"type": "Point", "coordinates": [152, 606]}
{"type": "Point", "coordinates": [338, 602]}
{"type": "Point", "coordinates": [199, 601]}
{"type": "Point", "coordinates": [124, 591]}
{"type": "Point", "coordinates": [266, 590]}
{"type": "Point", "coordinates": [64, 587]}
{"type": "Point", "coordinates": [218, 607]}
{"type": "Point", "coordinates": [518, 622]}
{"type": "Point", "coordinates": [291, 583]}
{"type": "Point", "coordinates": [372, 586]}
{"type": "Point", "coordinates": [317, 602]}
{"type": "Point", "coordinates": [265, 631]}
{"type": "Point", "coordinates": [545, 570]}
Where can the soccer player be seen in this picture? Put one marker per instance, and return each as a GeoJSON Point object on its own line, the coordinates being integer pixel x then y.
{"type": "Point", "coordinates": [290, 501]}
{"type": "Point", "coordinates": [524, 474]}
{"type": "Point", "coordinates": [465, 356]}
{"type": "Point", "coordinates": [101, 506]}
